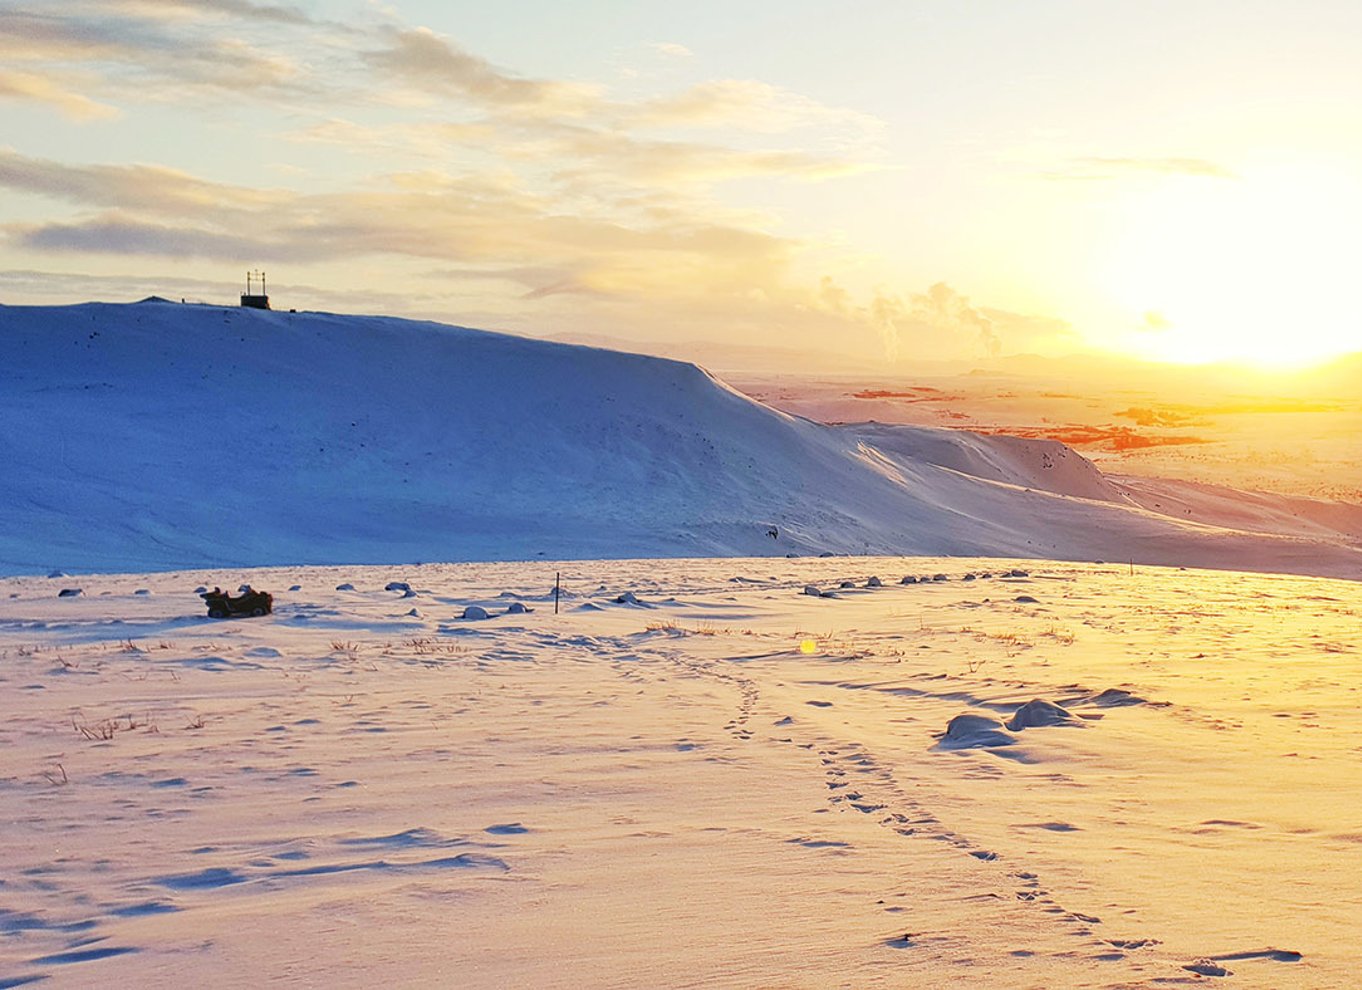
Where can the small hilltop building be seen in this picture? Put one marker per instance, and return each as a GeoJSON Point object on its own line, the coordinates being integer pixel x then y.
{"type": "Point", "coordinates": [251, 299]}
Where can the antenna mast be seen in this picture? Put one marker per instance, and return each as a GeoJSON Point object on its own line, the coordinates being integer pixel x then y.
{"type": "Point", "coordinates": [252, 299]}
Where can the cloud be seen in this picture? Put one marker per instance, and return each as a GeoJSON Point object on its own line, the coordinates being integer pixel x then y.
{"type": "Point", "coordinates": [177, 9]}
{"type": "Point", "coordinates": [586, 155]}
{"type": "Point", "coordinates": [151, 188]}
{"type": "Point", "coordinates": [671, 49]}
{"type": "Point", "coordinates": [166, 52]}
{"type": "Point", "coordinates": [566, 286]}
{"type": "Point", "coordinates": [426, 140]}
{"type": "Point", "coordinates": [116, 234]}
{"type": "Point", "coordinates": [423, 59]}
{"type": "Point", "coordinates": [474, 219]}
{"type": "Point", "coordinates": [749, 104]}
{"type": "Point", "coordinates": [577, 124]}
{"type": "Point", "coordinates": [125, 48]}
{"type": "Point", "coordinates": [585, 159]}
{"type": "Point", "coordinates": [1090, 169]}
{"type": "Point", "coordinates": [599, 155]}
{"type": "Point", "coordinates": [40, 89]}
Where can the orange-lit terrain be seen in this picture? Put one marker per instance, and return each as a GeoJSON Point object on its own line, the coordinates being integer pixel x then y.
{"type": "Point", "coordinates": [1091, 439]}
{"type": "Point", "coordinates": [1296, 435]}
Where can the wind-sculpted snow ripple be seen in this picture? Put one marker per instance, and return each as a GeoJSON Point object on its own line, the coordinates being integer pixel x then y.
{"type": "Point", "coordinates": [266, 868]}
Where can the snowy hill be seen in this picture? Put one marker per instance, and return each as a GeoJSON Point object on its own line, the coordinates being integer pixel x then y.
{"type": "Point", "coordinates": [158, 435]}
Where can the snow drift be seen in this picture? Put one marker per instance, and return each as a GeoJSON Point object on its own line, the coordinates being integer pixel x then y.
{"type": "Point", "coordinates": [157, 436]}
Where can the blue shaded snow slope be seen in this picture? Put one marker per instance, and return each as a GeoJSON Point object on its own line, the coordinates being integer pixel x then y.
{"type": "Point", "coordinates": [159, 436]}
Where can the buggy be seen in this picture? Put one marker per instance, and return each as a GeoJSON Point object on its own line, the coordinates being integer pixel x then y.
{"type": "Point", "coordinates": [251, 602]}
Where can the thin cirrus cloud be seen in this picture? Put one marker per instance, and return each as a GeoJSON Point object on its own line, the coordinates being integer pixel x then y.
{"type": "Point", "coordinates": [748, 103]}
{"type": "Point", "coordinates": [583, 154]}
{"type": "Point", "coordinates": [671, 49]}
{"type": "Point", "coordinates": [29, 86]}
{"type": "Point", "coordinates": [421, 59]}
{"type": "Point", "coordinates": [594, 141]}
{"type": "Point", "coordinates": [594, 154]}
{"type": "Point", "coordinates": [149, 188]}
{"type": "Point", "coordinates": [127, 236]}
{"type": "Point", "coordinates": [1098, 168]}
{"type": "Point", "coordinates": [126, 48]}
{"type": "Point", "coordinates": [426, 139]}
{"type": "Point", "coordinates": [586, 156]}
{"type": "Point", "coordinates": [179, 9]}
{"type": "Point", "coordinates": [127, 43]}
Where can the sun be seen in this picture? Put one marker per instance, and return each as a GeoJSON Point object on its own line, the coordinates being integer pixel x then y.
{"type": "Point", "coordinates": [1256, 269]}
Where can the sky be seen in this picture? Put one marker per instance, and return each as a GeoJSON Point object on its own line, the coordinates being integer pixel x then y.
{"type": "Point", "coordinates": [891, 182]}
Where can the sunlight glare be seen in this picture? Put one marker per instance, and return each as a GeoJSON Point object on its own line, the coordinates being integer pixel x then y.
{"type": "Point", "coordinates": [1254, 269]}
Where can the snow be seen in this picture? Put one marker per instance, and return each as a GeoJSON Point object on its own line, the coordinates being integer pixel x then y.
{"type": "Point", "coordinates": [1138, 778]}
{"type": "Point", "coordinates": [995, 760]}
{"type": "Point", "coordinates": [169, 436]}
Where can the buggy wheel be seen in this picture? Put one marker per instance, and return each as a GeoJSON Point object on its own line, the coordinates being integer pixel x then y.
{"type": "Point", "coordinates": [257, 611]}
{"type": "Point", "coordinates": [217, 613]}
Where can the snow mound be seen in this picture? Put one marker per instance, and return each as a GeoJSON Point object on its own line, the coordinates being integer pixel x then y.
{"type": "Point", "coordinates": [1042, 465]}
{"type": "Point", "coordinates": [1038, 712]}
{"type": "Point", "coordinates": [971, 731]}
{"type": "Point", "coordinates": [1107, 698]}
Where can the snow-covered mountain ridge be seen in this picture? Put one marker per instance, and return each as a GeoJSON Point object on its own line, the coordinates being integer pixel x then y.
{"type": "Point", "coordinates": [160, 436]}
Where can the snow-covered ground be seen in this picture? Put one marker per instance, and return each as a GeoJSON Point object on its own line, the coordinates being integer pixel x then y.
{"type": "Point", "coordinates": [725, 782]}
{"type": "Point", "coordinates": [161, 436]}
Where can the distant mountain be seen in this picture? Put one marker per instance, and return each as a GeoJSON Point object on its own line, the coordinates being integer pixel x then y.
{"type": "Point", "coordinates": [158, 436]}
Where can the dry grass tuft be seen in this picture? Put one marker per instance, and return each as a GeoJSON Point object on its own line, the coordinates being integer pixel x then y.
{"type": "Point", "coordinates": [426, 646]}
{"type": "Point", "coordinates": [105, 729]}
{"type": "Point", "coordinates": [100, 732]}
{"type": "Point", "coordinates": [1064, 636]}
